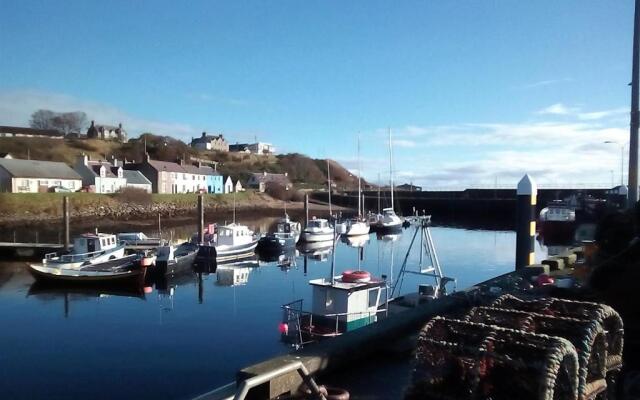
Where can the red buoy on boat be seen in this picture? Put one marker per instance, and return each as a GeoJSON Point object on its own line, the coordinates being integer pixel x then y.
{"type": "Point", "coordinates": [544, 280]}
{"type": "Point", "coordinates": [283, 328]}
{"type": "Point", "coordinates": [356, 276]}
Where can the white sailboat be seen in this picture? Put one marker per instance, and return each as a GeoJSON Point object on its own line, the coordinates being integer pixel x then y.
{"type": "Point", "coordinates": [388, 221]}
{"type": "Point", "coordinates": [358, 226]}
{"type": "Point", "coordinates": [319, 229]}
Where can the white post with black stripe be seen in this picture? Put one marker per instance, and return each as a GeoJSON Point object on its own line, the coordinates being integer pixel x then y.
{"type": "Point", "coordinates": [526, 222]}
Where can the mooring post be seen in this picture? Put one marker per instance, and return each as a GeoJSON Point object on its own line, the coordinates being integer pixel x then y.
{"type": "Point", "coordinates": [526, 222]}
{"type": "Point", "coordinates": [306, 209]}
{"type": "Point", "coordinates": [200, 220]}
{"type": "Point", "coordinates": [65, 218]}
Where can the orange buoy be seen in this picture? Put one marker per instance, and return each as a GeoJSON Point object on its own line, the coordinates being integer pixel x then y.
{"type": "Point", "coordinates": [356, 276]}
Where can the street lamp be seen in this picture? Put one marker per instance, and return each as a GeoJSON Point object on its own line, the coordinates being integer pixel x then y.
{"type": "Point", "coordinates": [622, 146]}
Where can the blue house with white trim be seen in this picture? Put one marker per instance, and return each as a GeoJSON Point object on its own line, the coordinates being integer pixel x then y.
{"type": "Point", "coordinates": [213, 180]}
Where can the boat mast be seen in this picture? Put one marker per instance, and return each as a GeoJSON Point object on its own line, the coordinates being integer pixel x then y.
{"type": "Point", "coordinates": [391, 168]}
{"type": "Point", "coordinates": [234, 207]}
{"type": "Point", "coordinates": [359, 185]}
{"type": "Point", "coordinates": [329, 185]}
{"type": "Point", "coordinates": [635, 113]}
{"type": "Point", "coordinates": [379, 183]}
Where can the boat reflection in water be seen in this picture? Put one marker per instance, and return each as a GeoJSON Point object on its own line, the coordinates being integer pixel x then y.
{"type": "Point", "coordinates": [355, 241]}
{"type": "Point", "coordinates": [235, 274]}
{"type": "Point", "coordinates": [47, 291]}
{"type": "Point", "coordinates": [388, 238]}
{"type": "Point", "coordinates": [319, 251]}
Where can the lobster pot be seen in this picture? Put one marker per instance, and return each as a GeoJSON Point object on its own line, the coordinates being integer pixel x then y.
{"type": "Point", "coordinates": [587, 336]}
{"type": "Point", "coordinates": [606, 316]}
{"type": "Point", "coordinates": [465, 360]}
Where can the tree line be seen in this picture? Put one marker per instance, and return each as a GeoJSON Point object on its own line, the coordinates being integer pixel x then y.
{"type": "Point", "coordinates": [64, 122]}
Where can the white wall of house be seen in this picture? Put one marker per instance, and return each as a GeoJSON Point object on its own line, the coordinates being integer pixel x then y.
{"type": "Point", "coordinates": [32, 185]}
{"type": "Point", "coordinates": [228, 185]}
{"type": "Point", "coordinates": [142, 186]}
{"type": "Point", "coordinates": [190, 183]}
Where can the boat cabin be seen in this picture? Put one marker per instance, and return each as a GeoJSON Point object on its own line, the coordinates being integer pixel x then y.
{"type": "Point", "coordinates": [286, 226]}
{"type": "Point", "coordinates": [91, 243]}
{"type": "Point", "coordinates": [233, 235]}
{"type": "Point", "coordinates": [388, 212]}
{"type": "Point", "coordinates": [318, 223]}
{"type": "Point", "coordinates": [344, 304]}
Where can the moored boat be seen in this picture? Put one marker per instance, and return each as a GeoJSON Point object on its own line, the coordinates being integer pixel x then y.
{"type": "Point", "coordinates": [317, 230]}
{"type": "Point", "coordinates": [89, 248]}
{"type": "Point", "coordinates": [122, 270]}
{"type": "Point", "coordinates": [285, 236]}
{"type": "Point", "coordinates": [171, 258]}
{"type": "Point", "coordinates": [231, 242]}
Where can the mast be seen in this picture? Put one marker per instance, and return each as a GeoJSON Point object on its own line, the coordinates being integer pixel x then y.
{"type": "Point", "coordinates": [329, 184]}
{"type": "Point", "coordinates": [234, 207]}
{"type": "Point", "coordinates": [359, 179]}
{"type": "Point", "coordinates": [633, 139]}
{"type": "Point", "coordinates": [379, 182]}
{"type": "Point", "coordinates": [391, 168]}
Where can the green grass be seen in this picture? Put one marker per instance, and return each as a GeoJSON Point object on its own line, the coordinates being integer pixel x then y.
{"type": "Point", "coordinates": [51, 203]}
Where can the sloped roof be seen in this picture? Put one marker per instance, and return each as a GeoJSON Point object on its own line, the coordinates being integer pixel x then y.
{"type": "Point", "coordinates": [262, 177]}
{"type": "Point", "coordinates": [135, 177]}
{"type": "Point", "coordinates": [18, 130]}
{"type": "Point", "coordinates": [94, 166]}
{"type": "Point", "coordinates": [38, 169]}
{"type": "Point", "coordinates": [187, 168]}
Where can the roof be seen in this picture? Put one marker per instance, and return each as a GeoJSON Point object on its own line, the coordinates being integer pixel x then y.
{"type": "Point", "coordinates": [207, 138]}
{"type": "Point", "coordinates": [187, 168]}
{"type": "Point", "coordinates": [18, 130]}
{"type": "Point", "coordinates": [38, 169]}
{"type": "Point", "coordinates": [135, 177]}
{"type": "Point", "coordinates": [94, 166]}
{"type": "Point", "coordinates": [262, 177]}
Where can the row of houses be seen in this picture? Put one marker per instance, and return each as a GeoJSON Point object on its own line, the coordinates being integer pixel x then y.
{"type": "Point", "coordinates": [102, 176]}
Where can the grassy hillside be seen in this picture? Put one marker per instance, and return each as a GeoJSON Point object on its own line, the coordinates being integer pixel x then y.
{"type": "Point", "coordinates": [305, 172]}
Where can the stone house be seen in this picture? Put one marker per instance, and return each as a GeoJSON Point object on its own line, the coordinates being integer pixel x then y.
{"type": "Point", "coordinates": [260, 181]}
{"type": "Point", "coordinates": [209, 142]}
{"type": "Point", "coordinates": [107, 132]}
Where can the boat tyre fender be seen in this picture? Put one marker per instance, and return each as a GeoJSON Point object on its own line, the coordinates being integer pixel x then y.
{"type": "Point", "coordinates": [356, 276]}
{"type": "Point", "coordinates": [334, 393]}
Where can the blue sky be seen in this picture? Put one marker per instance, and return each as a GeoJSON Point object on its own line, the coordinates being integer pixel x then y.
{"type": "Point", "coordinates": [474, 91]}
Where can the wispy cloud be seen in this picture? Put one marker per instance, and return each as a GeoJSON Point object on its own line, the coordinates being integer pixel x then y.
{"type": "Point", "coordinates": [403, 143]}
{"type": "Point", "coordinates": [588, 116]}
{"type": "Point", "coordinates": [547, 82]}
{"type": "Point", "coordinates": [557, 109]}
{"type": "Point", "coordinates": [17, 106]}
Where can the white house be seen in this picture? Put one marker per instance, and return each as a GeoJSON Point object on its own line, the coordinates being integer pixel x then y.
{"type": "Point", "coordinates": [101, 176]}
{"type": "Point", "coordinates": [228, 185]}
{"type": "Point", "coordinates": [238, 186]}
{"type": "Point", "coordinates": [32, 176]}
{"type": "Point", "coordinates": [255, 148]}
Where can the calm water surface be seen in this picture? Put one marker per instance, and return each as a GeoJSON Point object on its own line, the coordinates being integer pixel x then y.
{"type": "Point", "coordinates": [194, 333]}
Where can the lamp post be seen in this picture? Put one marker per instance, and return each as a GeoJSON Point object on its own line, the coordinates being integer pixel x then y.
{"type": "Point", "coordinates": [622, 146]}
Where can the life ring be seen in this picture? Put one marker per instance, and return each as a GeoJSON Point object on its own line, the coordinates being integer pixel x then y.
{"type": "Point", "coordinates": [356, 276]}
{"type": "Point", "coordinates": [334, 393]}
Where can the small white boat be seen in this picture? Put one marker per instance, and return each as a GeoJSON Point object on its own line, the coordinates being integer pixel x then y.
{"type": "Point", "coordinates": [121, 270]}
{"type": "Point", "coordinates": [232, 242]}
{"type": "Point", "coordinates": [88, 249]}
{"type": "Point", "coordinates": [388, 222]}
{"type": "Point", "coordinates": [317, 230]}
{"type": "Point", "coordinates": [356, 227]}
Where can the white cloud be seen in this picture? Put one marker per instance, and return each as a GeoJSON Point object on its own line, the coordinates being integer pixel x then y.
{"type": "Point", "coordinates": [546, 83]}
{"type": "Point", "coordinates": [589, 116]}
{"type": "Point", "coordinates": [403, 143]}
{"type": "Point", "coordinates": [557, 109]}
{"type": "Point", "coordinates": [17, 106]}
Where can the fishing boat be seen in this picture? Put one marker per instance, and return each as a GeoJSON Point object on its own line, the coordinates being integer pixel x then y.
{"type": "Point", "coordinates": [231, 242]}
{"type": "Point", "coordinates": [285, 236]}
{"type": "Point", "coordinates": [123, 270]}
{"type": "Point", "coordinates": [317, 230]}
{"type": "Point", "coordinates": [89, 248]}
{"type": "Point", "coordinates": [557, 221]}
{"type": "Point", "coordinates": [138, 239]}
{"type": "Point", "coordinates": [171, 258]}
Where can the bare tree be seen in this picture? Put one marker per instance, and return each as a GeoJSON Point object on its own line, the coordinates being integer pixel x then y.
{"type": "Point", "coordinates": [68, 122]}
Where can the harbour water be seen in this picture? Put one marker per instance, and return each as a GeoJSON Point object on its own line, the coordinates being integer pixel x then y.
{"type": "Point", "coordinates": [192, 333]}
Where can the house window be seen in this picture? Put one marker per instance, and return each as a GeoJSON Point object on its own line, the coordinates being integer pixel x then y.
{"type": "Point", "coordinates": [373, 297]}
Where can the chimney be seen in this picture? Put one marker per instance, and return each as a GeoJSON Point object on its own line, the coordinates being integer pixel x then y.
{"type": "Point", "coordinates": [82, 159]}
{"type": "Point", "coordinates": [204, 134]}
{"type": "Point", "coordinates": [120, 126]}
{"type": "Point", "coordinates": [146, 157]}
{"type": "Point", "coordinates": [199, 164]}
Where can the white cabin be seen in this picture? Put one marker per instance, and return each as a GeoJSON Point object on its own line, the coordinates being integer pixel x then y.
{"type": "Point", "coordinates": [90, 243]}
{"type": "Point", "coordinates": [233, 235]}
{"type": "Point", "coordinates": [354, 304]}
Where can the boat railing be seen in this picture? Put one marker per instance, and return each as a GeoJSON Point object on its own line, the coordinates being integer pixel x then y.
{"type": "Point", "coordinates": [294, 317]}
{"type": "Point", "coordinates": [77, 257]}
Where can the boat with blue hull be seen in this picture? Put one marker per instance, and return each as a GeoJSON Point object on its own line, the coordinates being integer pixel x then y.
{"type": "Point", "coordinates": [284, 237]}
